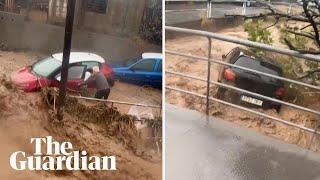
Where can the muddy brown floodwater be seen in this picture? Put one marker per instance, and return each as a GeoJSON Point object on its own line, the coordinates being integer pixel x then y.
{"type": "Point", "coordinates": [26, 115]}
{"type": "Point", "coordinates": [195, 45]}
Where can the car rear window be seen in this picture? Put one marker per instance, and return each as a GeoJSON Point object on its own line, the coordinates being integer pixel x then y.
{"type": "Point", "coordinates": [258, 66]}
{"type": "Point", "coordinates": [91, 64]}
{"type": "Point", "coordinates": [255, 65]}
{"type": "Point", "coordinates": [46, 66]}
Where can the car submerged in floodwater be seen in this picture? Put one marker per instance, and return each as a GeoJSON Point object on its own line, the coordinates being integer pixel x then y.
{"type": "Point", "coordinates": [251, 81]}
{"type": "Point", "coordinates": [47, 72]}
{"type": "Point", "coordinates": [143, 71]}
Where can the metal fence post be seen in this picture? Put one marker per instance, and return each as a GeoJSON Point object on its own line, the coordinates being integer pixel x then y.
{"type": "Point", "coordinates": [315, 134]}
{"type": "Point", "coordinates": [208, 9]}
{"type": "Point", "coordinates": [244, 7]}
{"type": "Point", "coordinates": [289, 9]}
{"type": "Point", "coordinates": [208, 75]}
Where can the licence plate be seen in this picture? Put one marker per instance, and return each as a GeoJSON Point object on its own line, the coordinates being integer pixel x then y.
{"type": "Point", "coordinates": [251, 100]}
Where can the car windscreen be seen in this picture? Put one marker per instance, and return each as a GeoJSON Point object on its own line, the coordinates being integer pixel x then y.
{"type": "Point", "coordinates": [146, 65]}
{"type": "Point", "coordinates": [132, 61]}
{"type": "Point", "coordinates": [46, 66]}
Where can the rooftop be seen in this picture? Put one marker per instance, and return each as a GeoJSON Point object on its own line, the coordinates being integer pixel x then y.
{"type": "Point", "coordinates": [80, 57]}
{"type": "Point", "coordinates": [152, 55]}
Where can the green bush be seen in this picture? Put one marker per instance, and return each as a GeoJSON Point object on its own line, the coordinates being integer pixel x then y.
{"type": "Point", "coordinates": [258, 33]}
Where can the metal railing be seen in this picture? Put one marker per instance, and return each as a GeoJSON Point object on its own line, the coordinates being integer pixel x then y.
{"type": "Point", "coordinates": [116, 102]}
{"type": "Point", "coordinates": [247, 43]}
{"type": "Point", "coordinates": [210, 5]}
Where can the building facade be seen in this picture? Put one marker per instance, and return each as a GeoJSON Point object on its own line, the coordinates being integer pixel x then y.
{"type": "Point", "coordinates": [120, 17]}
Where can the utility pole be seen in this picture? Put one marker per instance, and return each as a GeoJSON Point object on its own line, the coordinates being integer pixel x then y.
{"type": "Point", "coordinates": [66, 57]}
{"type": "Point", "coordinates": [209, 9]}
{"type": "Point", "coordinates": [244, 7]}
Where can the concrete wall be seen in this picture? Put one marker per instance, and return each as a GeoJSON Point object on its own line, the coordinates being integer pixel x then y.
{"type": "Point", "coordinates": [122, 17]}
{"type": "Point", "coordinates": [22, 35]}
{"type": "Point", "coordinates": [11, 17]}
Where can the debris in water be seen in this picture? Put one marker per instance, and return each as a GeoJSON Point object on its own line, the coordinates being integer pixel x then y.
{"type": "Point", "coordinates": [121, 126]}
{"type": "Point", "coordinates": [3, 46]}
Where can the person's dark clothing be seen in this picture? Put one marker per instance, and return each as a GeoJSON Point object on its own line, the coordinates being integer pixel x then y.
{"type": "Point", "coordinates": [100, 80]}
{"type": "Point", "coordinates": [102, 94]}
{"type": "Point", "coordinates": [101, 84]}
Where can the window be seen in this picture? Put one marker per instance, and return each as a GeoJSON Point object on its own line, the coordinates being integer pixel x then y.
{"type": "Point", "coordinates": [97, 6]}
{"type": "Point", "coordinates": [74, 73]}
{"type": "Point", "coordinates": [160, 67]}
{"type": "Point", "coordinates": [145, 65]}
{"type": "Point", "coordinates": [91, 64]}
{"type": "Point", "coordinates": [132, 61]}
{"type": "Point", "coordinates": [254, 64]}
{"type": "Point", "coordinates": [232, 55]}
{"type": "Point", "coordinates": [46, 66]}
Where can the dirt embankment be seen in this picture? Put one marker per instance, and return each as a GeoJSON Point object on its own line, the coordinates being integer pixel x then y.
{"type": "Point", "coordinates": [26, 115]}
{"type": "Point", "coordinates": [12, 61]}
{"type": "Point", "coordinates": [198, 46]}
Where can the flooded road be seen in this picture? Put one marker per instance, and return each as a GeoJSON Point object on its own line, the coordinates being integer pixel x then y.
{"type": "Point", "coordinates": [198, 148]}
{"type": "Point", "coordinates": [25, 115]}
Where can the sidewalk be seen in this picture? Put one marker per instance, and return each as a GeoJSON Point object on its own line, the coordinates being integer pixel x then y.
{"type": "Point", "coordinates": [202, 149]}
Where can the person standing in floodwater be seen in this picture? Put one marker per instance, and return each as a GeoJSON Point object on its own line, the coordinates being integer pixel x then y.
{"type": "Point", "coordinates": [101, 83]}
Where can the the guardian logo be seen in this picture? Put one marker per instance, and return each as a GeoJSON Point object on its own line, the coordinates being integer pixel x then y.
{"type": "Point", "coordinates": [59, 157]}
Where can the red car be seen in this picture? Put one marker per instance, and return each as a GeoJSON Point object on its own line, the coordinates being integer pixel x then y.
{"type": "Point", "coordinates": [46, 72]}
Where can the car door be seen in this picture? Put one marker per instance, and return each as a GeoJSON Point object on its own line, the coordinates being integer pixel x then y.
{"type": "Point", "coordinates": [76, 76]}
{"type": "Point", "coordinates": [141, 72]}
{"type": "Point", "coordinates": [88, 73]}
{"type": "Point", "coordinates": [157, 75]}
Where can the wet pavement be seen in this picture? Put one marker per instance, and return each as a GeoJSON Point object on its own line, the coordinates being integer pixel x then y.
{"type": "Point", "coordinates": [198, 148]}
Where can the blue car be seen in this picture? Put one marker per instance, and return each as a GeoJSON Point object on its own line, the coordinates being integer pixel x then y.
{"type": "Point", "coordinates": [145, 71]}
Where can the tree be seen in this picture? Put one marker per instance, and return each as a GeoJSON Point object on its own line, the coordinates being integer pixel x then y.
{"type": "Point", "coordinates": [151, 23]}
{"type": "Point", "coordinates": [258, 33]}
{"type": "Point", "coordinates": [309, 15]}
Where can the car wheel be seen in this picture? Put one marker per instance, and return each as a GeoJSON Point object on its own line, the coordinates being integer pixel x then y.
{"type": "Point", "coordinates": [278, 108]}
{"type": "Point", "coordinates": [228, 95]}
{"type": "Point", "coordinates": [221, 93]}
{"type": "Point", "coordinates": [117, 78]}
{"type": "Point", "coordinates": [221, 90]}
